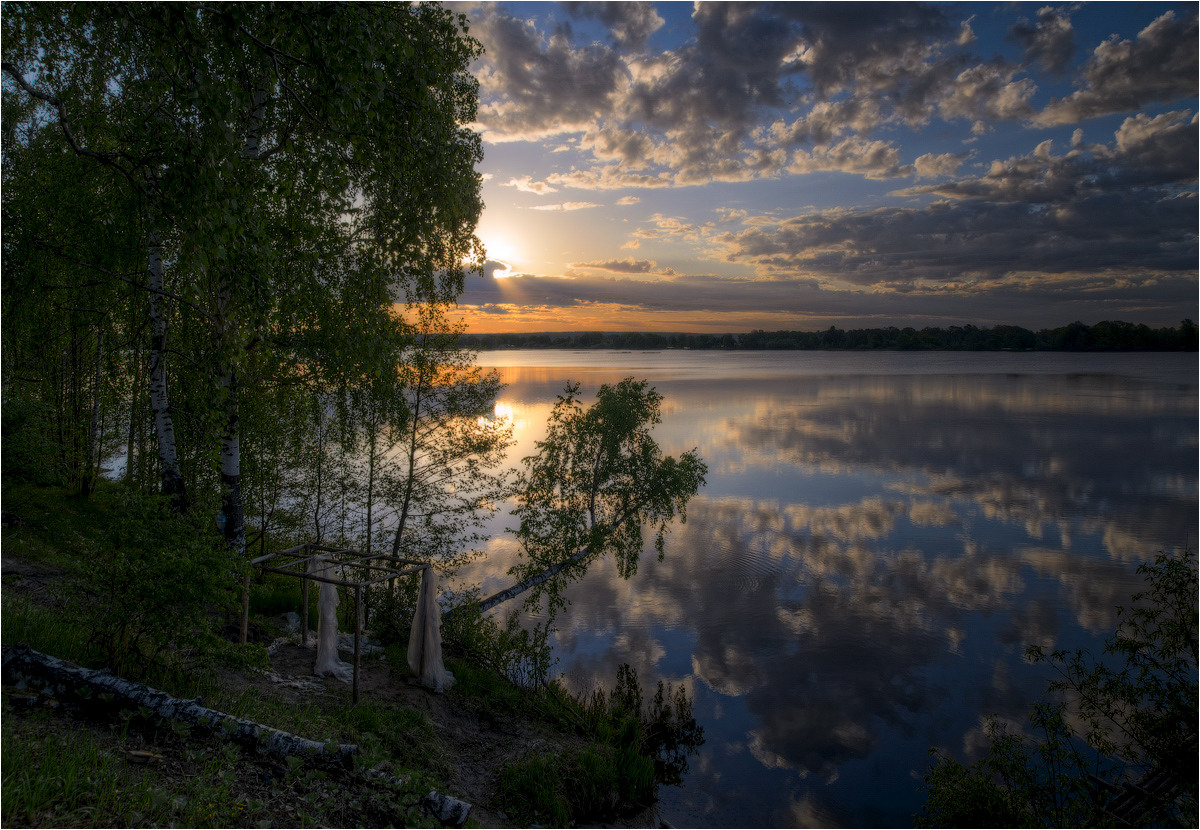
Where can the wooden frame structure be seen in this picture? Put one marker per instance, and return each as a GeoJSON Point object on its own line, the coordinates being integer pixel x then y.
{"type": "Point", "coordinates": [298, 562]}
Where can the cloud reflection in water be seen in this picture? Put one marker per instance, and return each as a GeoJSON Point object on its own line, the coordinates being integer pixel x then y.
{"type": "Point", "coordinates": [870, 559]}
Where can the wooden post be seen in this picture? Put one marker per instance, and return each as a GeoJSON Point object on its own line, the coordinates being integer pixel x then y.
{"type": "Point", "coordinates": [358, 624]}
{"type": "Point", "coordinates": [304, 580]}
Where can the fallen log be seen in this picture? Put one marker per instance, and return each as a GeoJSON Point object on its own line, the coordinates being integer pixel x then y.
{"type": "Point", "coordinates": [102, 692]}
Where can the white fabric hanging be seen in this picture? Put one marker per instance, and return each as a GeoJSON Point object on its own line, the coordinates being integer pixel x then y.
{"type": "Point", "coordinates": [328, 661]}
{"type": "Point", "coordinates": [425, 640]}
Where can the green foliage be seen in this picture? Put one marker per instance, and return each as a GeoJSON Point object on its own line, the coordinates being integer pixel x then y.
{"type": "Point", "coordinates": [632, 751]}
{"type": "Point", "coordinates": [148, 587]}
{"type": "Point", "coordinates": [665, 733]}
{"type": "Point", "coordinates": [522, 656]}
{"type": "Point", "coordinates": [26, 445]}
{"type": "Point", "coordinates": [1105, 726]}
{"type": "Point", "coordinates": [43, 629]}
{"type": "Point", "coordinates": [403, 736]}
{"type": "Point", "coordinates": [597, 479]}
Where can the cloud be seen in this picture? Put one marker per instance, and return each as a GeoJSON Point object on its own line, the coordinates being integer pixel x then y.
{"type": "Point", "coordinates": [567, 206]}
{"type": "Point", "coordinates": [872, 159]}
{"type": "Point", "coordinates": [628, 200]}
{"type": "Point", "coordinates": [622, 266]}
{"type": "Point", "coordinates": [1050, 41]}
{"type": "Point", "coordinates": [526, 184]}
{"type": "Point", "coordinates": [990, 91]}
{"type": "Point", "coordinates": [722, 304]}
{"type": "Point", "coordinates": [492, 267]}
{"type": "Point", "coordinates": [760, 89]}
{"type": "Point", "coordinates": [934, 165]}
{"type": "Point", "coordinates": [533, 86]}
{"type": "Point", "coordinates": [1124, 75]}
{"type": "Point", "coordinates": [1095, 209]}
{"type": "Point", "coordinates": [630, 23]}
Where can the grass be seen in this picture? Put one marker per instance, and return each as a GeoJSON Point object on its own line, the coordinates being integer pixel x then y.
{"type": "Point", "coordinates": [74, 780]}
{"type": "Point", "coordinates": [556, 788]}
{"type": "Point", "coordinates": [47, 630]}
{"type": "Point", "coordinates": [62, 774]}
{"type": "Point", "coordinates": [59, 773]}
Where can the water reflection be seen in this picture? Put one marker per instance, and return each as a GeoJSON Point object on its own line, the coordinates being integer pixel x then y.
{"type": "Point", "coordinates": [868, 562]}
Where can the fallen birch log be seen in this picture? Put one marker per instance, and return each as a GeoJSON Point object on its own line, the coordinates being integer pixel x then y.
{"type": "Point", "coordinates": [93, 690]}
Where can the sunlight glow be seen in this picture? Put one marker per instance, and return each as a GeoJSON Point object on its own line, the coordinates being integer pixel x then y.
{"type": "Point", "coordinates": [500, 248]}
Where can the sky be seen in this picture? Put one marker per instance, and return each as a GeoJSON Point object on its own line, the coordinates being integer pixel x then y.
{"type": "Point", "coordinates": [723, 167]}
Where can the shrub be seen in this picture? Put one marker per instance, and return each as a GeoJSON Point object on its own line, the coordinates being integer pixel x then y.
{"type": "Point", "coordinates": [148, 587]}
{"type": "Point", "coordinates": [633, 750]}
{"type": "Point", "coordinates": [1138, 717]}
{"type": "Point", "coordinates": [27, 452]}
{"type": "Point", "coordinates": [522, 656]}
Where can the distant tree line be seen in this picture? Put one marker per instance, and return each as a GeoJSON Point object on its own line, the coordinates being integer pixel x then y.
{"type": "Point", "coordinates": [1106, 336]}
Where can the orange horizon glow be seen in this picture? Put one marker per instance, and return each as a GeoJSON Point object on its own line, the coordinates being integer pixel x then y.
{"type": "Point", "coordinates": [614, 317]}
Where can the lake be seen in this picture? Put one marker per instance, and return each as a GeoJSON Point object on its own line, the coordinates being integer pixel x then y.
{"type": "Point", "coordinates": [881, 536]}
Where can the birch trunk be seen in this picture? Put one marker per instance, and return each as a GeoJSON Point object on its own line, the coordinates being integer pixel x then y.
{"type": "Point", "coordinates": [164, 427]}
{"type": "Point", "coordinates": [370, 483]}
{"type": "Point", "coordinates": [231, 461]}
{"type": "Point", "coordinates": [133, 398]}
{"type": "Point", "coordinates": [231, 454]}
{"type": "Point", "coordinates": [91, 467]}
{"type": "Point", "coordinates": [98, 690]}
{"type": "Point", "coordinates": [412, 467]}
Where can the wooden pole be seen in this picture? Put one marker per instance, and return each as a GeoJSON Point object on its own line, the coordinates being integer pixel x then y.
{"type": "Point", "coordinates": [304, 604]}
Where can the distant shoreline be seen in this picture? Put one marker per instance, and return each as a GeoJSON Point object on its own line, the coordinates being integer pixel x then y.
{"type": "Point", "coordinates": [1106, 336]}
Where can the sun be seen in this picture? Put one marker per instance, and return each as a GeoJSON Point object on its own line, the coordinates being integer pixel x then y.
{"type": "Point", "coordinates": [500, 248]}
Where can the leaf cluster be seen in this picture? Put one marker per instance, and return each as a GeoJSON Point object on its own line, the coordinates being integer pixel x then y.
{"type": "Point", "coordinates": [598, 478]}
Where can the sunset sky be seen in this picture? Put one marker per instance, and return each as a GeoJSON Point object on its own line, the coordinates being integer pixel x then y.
{"type": "Point", "coordinates": [725, 167]}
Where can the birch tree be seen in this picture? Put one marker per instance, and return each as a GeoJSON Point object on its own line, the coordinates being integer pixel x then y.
{"type": "Point", "coordinates": [597, 480]}
{"type": "Point", "coordinates": [269, 146]}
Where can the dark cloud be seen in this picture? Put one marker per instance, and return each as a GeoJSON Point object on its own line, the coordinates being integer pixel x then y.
{"type": "Point", "coordinates": [535, 85]}
{"type": "Point", "coordinates": [631, 23]}
{"type": "Point", "coordinates": [977, 240]}
{"type": "Point", "coordinates": [1050, 40]}
{"type": "Point", "coordinates": [1022, 299]}
{"type": "Point", "coordinates": [1147, 152]}
{"type": "Point", "coordinates": [699, 113]}
{"type": "Point", "coordinates": [622, 266]}
{"type": "Point", "coordinates": [1094, 209]}
{"type": "Point", "coordinates": [1124, 75]}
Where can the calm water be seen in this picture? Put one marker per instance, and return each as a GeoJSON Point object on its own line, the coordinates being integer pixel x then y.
{"type": "Point", "coordinates": [880, 538]}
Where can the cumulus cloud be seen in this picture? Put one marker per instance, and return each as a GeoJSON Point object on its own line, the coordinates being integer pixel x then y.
{"type": "Point", "coordinates": [526, 184]}
{"type": "Point", "coordinates": [566, 206]}
{"type": "Point", "coordinates": [872, 159]}
{"type": "Point", "coordinates": [934, 165]}
{"type": "Point", "coordinates": [1124, 75]}
{"type": "Point", "coordinates": [1090, 209]}
{"type": "Point", "coordinates": [759, 90]}
{"type": "Point", "coordinates": [630, 23]}
{"type": "Point", "coordinates": [624, 201]}
{"type": "Point", "coordinates": [1050, 40]}
{"type": "Point", "coordinates": [622, 266]}
{"type": "Point", "coordinates": [536, 86]}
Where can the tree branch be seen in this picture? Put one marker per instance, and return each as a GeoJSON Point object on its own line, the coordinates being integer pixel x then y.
{"type": "Point", "coordinates": [42, 246]}
{"type": "Point", "coordinates": [63, 122]}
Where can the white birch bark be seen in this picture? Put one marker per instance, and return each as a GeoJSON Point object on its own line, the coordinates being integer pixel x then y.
{"type": "Point", "coordinates": [96, 690]}
{"type": "Point", "coordinates": [231, 455]}
{"type": "Point", "coordinates": [172, 480]}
